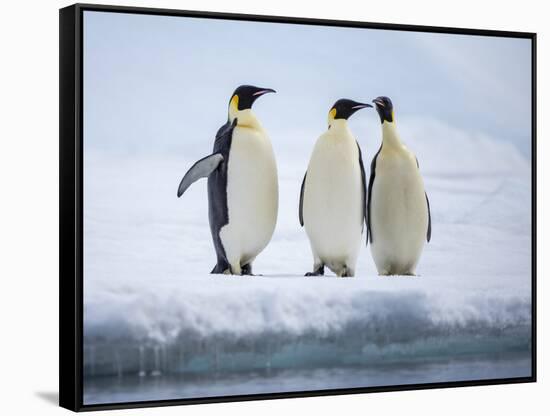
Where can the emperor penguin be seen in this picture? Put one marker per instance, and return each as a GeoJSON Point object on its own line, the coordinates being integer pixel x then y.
{"type": "Point", "coordinates": [398, 209]}
{"type": "Point", "coordinates": [243, 193]}
{"type": "Point", "coordinates": [333, 195]}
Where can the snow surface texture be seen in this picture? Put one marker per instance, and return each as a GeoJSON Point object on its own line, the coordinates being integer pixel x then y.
{"type": "Point", "coordinates": [151, 308]}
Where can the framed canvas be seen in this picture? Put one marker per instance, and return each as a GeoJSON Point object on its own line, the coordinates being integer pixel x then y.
{"type": "Point", "coordinates": [257, 207]}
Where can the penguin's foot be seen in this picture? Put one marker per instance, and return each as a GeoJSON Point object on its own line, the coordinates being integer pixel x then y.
{"type": "Point", "coordinates": [344, 271]}
{"type": "Point", "coordinates": [319, 271]}
{"type": "Point", "coordinates": [246, 270]}
{"type": "Point", "coordinates": [347, 272]}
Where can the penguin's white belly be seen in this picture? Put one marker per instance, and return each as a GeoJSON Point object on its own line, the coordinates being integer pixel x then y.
{"type": "Point", "coordinates": [399, 215]}
{"type": "Point", "coordinates": [252, 196]}
{"type": "Point", "coordinates": [333, 204]}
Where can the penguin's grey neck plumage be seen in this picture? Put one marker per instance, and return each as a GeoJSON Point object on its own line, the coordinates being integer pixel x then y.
{"type": "Point", "coordinates": [390, 135]}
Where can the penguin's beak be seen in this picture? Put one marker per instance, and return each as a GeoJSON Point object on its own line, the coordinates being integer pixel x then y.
{"type": "Point", "coordinates": [379, 103]}
{"type": "Point", "coordinates": [262, 91]}
{"type": "Point", "coordinates": [354, 106]}
{"type": "Point", "coordinates": [359, 106]}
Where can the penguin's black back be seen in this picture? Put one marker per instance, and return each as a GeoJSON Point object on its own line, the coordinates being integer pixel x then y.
{"type": "Point", "coordinates": [217, 194]}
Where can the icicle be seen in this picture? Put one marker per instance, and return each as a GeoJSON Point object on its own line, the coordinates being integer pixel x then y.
{"type": "Point", "coordinates": [156, 371]}
{"type": "Point", "coordinates": [141, 372]}
{"type": "Point", "coordinates": [164, 359]}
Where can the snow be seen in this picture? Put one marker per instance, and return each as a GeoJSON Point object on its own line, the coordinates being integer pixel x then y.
{"type": "Point", "coordinates": [151, 306]}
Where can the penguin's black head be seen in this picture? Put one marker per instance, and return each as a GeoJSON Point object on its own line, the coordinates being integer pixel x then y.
{"type": "Point", "coordinates": [245, 95]}
{"type": "Point", "coordinates": [344, 108]}
{"type": "Point", "coordinates": [384, 107]}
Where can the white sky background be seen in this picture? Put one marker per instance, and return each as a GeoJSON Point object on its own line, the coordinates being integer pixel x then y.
{"type": "Point", "coordinates": [159, 84]}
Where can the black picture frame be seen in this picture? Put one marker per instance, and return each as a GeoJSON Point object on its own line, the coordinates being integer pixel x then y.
{"type": "Point", "coordinates": [71, 198]}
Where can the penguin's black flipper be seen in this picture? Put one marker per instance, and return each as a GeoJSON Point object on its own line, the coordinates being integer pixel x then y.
{"type": "Point", "coordinates": [369, 195]}
{"type": "Point", "coordinates": [224, 132]}
{"type": "Point", "coordinates": [429, 233]}
{"type": "Point", "coordinates": [364, 189]}
{"type": "Point", "coordinates": [201, 169]}
{"type": "Point", "coordinates": [301, 209]}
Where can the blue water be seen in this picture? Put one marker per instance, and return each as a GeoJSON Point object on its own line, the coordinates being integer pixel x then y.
{"type": "Point", "coordinates": [159, 386]}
